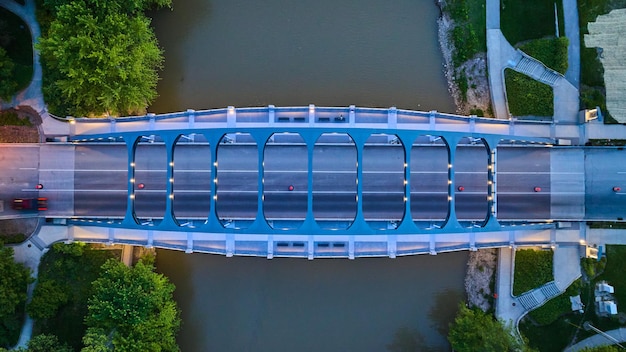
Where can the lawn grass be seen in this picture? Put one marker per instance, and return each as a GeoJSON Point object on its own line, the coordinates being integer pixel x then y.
{"type": "Point", "coordinates": [614, 273]}
{"type": "Point", "coordinates": [469, 35]}
{"type": "Point", "coordinates": [552, 52]}
{"type": "Point", "coordinates": [527, 96]}
{"type": "Point", "coordinates": [529, 19]}
{"type": "Point", "coordinates": [558, 334]}
{"type": "Point", "coordinates": [533, 268]}
{"type": "Point", "coordinates": [18, 44]}
{"type": "Point", "coordinates": [74, 273]}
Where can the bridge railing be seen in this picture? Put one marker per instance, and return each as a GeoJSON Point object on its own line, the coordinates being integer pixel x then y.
{"type": "Point", "coordinates": [307, 116]}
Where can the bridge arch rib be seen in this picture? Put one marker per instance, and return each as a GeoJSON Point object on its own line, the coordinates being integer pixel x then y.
{"type": "Point", "coordinates": [311, 125]}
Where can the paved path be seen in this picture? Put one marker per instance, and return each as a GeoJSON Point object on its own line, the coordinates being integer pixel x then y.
{"type": "Point", "coordinates": [599, 340]}
{"type": "Point", "coordinates": [501, 55]}
{"type": "Point", "coordinates": [511, 308]}
{"type": "Point", "coordinates": [572, 32]}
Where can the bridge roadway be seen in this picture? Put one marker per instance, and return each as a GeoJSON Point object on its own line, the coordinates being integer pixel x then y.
{"type": "Point", "coordinates": [100, 182]}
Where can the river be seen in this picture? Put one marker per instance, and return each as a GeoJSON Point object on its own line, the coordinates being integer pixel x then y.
{"type": "Point", "coordinates": [375, 53]}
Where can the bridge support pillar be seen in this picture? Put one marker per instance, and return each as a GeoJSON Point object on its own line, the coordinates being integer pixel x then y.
{"type": "Point", "coordinates": [150, 241]}
{"type": "Point", "coordinates": [271, 114]}
{"type": "Point", "coordinates": [311, 114]}
{"type": "Point", "coordinates": [351, 247]}
{"type": "Point", "coordinates": [392, 246]}
{"type": "Point", "coordinates": [230, 245]}
{"type": "Point", "coordinates": [432, 123]}
{"type": "Point", "coordinates": [152, 121]}
{"type": "Point", "coordinates": [310, 248]}
{"type": "Point", "coordinates": [392, 118]}
{"type": "Point", "coordinates": [432, 245]}
{"type": "Point", "coordinates": [189, 248]}
{"type": "Point", "coordinates": [270, 247]}
{"type": "Point", "coordinates": [231, 117]}
{"type": "Point", "coordinates": [191, 117]}
{"type": "Point", "coordinates": [352, 116]}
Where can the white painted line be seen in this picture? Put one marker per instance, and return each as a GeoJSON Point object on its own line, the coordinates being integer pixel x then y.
{"type": "Point", "coordinates": [27, 168]}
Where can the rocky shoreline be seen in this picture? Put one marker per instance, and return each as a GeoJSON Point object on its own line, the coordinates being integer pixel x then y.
{"type": "Point", "coordinates": [481, 268]}
{"type": "Point", "coordinates": [478, 95]}
{"type": "Point", "coordinates": [481, 265]}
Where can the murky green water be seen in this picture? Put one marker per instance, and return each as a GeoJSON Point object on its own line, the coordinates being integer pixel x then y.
{"type": "Point", "coordinates": [332, 53]}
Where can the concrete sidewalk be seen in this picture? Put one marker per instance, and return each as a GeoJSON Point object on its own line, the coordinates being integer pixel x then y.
{"type": "Point", "coordinates": [511, 308]}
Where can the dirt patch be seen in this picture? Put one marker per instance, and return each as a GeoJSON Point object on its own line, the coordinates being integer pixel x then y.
{"type": "Point", "coordinates": [478, 96]}
{"type": "Point", "coordinates": [481, 267]}
{"type": "Point", "coordinates": [19, 126]}
{"type": "Point", "coordinates": [12, 227]}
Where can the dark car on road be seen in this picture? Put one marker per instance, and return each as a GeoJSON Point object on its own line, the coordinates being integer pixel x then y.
{"type": "Point", "coordinates": [40, 204]}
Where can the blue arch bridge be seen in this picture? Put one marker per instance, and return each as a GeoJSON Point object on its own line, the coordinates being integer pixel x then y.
{"type": "Point", "coordinates": [313, 182]}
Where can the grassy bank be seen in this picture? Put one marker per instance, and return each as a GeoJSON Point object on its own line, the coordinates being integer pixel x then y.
{"type": "Point", "coordinates": [469, 36]}
{"type": "Point", "coordinates": [533, 268]}
{"type": "Point", "coordinates": [529, 19]}
{"type": "Point", "coordinates": [527, 96]}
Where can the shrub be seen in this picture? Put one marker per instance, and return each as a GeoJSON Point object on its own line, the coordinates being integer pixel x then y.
{"type": "Point", "coordinates": [533, 268]}
{"type": "Point", "coordinates": [527, 96]}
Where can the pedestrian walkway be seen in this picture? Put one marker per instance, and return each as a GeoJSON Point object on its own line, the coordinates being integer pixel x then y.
{"type": "Point", "coordinates": [599, 340]}
{"type": "Point", "coordinates": [572, 32]}
{"type": "Point", "coordinates": [501, 55]}
{"type": "Point", "coordinates": [511, 308]}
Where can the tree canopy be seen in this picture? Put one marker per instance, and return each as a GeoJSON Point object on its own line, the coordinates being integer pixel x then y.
{"type": "Point", "coordinates": [45, 343]}
{"type": "Point", "coordinates": [132, 309]}
{"type": "Point", "coordinates": [100, 56]}
{"type": "Point", "coordinates": [14, 280]}
{"type": "Point", "coordinates": [8, 85]}
{"type": "Point", "coordinates": [475, 330]}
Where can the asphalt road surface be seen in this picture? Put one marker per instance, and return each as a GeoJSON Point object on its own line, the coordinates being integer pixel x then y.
{"type": "Point", "coordinates": [101, 185]}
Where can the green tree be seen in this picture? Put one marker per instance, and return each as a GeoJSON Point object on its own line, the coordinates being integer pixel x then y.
{"type": "Point", "coordinates": [475, 330]}
{"type": "Point", "coordinates": [8, 85]}
{"type": "Point", "coordinates": [47, 298]}
{"type": "Point", "coordinates": [132, 309]}
{"type": "Point", "coordinates": [14, 280]}
{"type": "Point", "coordinates": [45, 343]}
{"type": "Point", "coordinates": [104, 62]}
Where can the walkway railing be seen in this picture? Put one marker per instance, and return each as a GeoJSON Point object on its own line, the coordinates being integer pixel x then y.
{"type": "Point", "coordinates": [311, 116]}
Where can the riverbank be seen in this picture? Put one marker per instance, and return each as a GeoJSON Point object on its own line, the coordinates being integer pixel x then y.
{"type": "Point", "coordinates": [469, 77]}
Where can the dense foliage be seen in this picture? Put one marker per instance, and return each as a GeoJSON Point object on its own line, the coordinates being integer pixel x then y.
{"type": "Point", "coordinates": [59, 302]}
{"type": "Point", "coordinates": [526, 96]}
{"type": "Point", "coordinates": [475, 330]}
{"type": "Point", "coordinates": [7, 83]}
{"type": "Point", "coordinates": [132, 309]}
{"type": "Point", "coordinates": [557, 306]}
{"type": "Point", "coordinates": [469, 35]}
{"type": "Point", "coordinates": [551, 51]}
{"type": "Point", "coordinates": [533, 268]}
{"type": "Point", "coordinates": [530, 19]}
{"type": "Point", "coordinates": [16, 54]}
{"type": "Point", "coordinates": [101, 57]}
{"type": "Point", "coordinates": [14, 280]}
{"type": "Point", "coordinates": [45, 343]}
